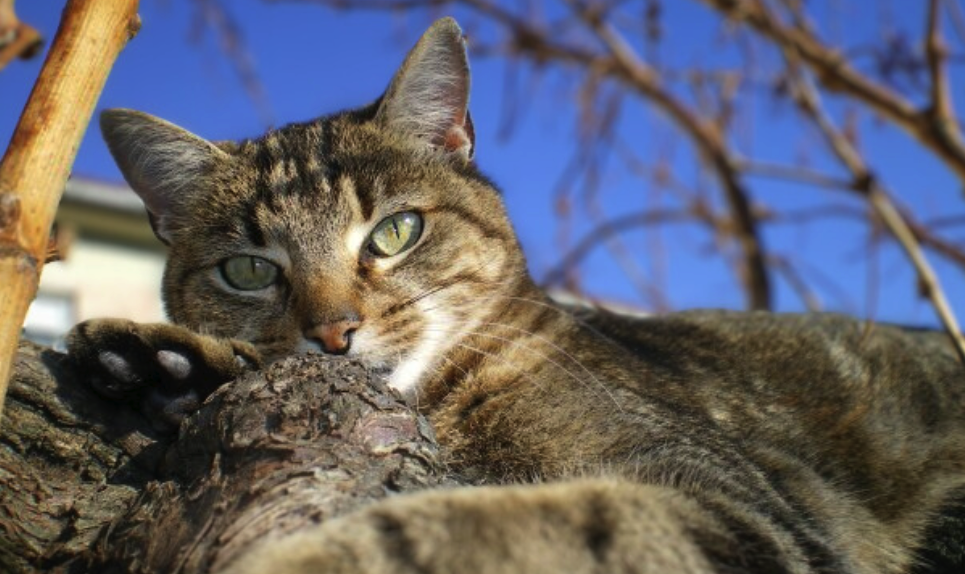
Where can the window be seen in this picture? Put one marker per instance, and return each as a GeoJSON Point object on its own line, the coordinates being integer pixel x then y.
{"type": "Point", "coordinates": [49, 318]}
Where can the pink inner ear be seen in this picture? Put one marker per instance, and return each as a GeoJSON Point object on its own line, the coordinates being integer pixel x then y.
{"type": "Point", "coordinates": [455, 139]}
{"type": "Point", "coordinates": [460, 136]}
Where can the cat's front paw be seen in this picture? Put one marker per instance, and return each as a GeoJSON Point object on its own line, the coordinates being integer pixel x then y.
{"type": "Point", "coordinates": [164, 369]}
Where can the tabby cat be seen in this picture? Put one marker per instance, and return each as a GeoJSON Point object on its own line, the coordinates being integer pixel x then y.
{"type": "Point", "coordinates": [694, 442]}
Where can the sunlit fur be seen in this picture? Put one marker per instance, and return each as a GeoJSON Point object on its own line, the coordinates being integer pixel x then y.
{"type": "Point", "coordinates": [295, 195]}
{"type": "Point", "coordinates": [726, 441]}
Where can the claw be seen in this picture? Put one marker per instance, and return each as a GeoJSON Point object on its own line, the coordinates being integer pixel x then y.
{"type": "Point", "coordinates": [243, 363]}
{"type": "Point", "coordinates": [165, 370]}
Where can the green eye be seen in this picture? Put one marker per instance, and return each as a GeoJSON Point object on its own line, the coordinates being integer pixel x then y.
{"type": "Point", "coordinates": [247, 273]}
{"type": "Point", "coordinates": [395, 234]}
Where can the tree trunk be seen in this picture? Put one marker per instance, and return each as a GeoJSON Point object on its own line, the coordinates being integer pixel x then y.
{"type": "Point", "coordinates": [87, 486]}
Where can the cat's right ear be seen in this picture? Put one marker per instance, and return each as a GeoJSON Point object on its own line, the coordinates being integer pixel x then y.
{"type": "Point", "coordinates": [162, 162]}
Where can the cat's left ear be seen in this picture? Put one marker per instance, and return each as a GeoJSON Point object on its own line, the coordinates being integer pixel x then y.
{"type": "Point", "coordinates": [428, 98]}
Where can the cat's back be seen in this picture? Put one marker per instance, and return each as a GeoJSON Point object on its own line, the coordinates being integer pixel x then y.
{"type": "Point", "coordinates": [795, 377]}
{"type": "Point", "coordinates": [793, 350]}
{"type": "Point", "coordinates": [866, 407]}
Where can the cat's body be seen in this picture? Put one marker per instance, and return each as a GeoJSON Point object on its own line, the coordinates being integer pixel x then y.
{"type": "Point", "coordinates": [706, 441]}
{"type": "Point", "coordinates": [809, 435]}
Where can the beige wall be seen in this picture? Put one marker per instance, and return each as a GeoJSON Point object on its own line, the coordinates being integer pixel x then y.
{"type": "Point", "coordinates": [98, 279]}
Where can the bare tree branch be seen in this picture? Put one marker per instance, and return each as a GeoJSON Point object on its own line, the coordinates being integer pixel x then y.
{"type": "Point", "coordinates": [836, 74]}
{"type": "Point", "coordinates": [957, 19]}
{"type": "Point", "coordinates": [793, 173]}
{"type": "Point", "coordinates": [17, 39]}
{"type": "Point", "coordinates": [786, 269]}
{"type": "Point", "coordinates": [923, 231]}
{"type": "Point", "coordinates": [879, 199]}
{"type": "Point", "coordinates": [708, 139]}
{"type": "Point", "coordinates": [214, 15]}
{"type": "Point", "coordinates": [610, 229]}
{"type": "Point", "coordinates": [936, 51]}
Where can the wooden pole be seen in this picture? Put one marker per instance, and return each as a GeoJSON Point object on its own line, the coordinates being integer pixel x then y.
{"type": "Point", "coordinates": [38, 160]}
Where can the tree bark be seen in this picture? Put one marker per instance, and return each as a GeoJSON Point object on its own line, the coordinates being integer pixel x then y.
{"type": "Point", "coordinates": [42, 150]}
{"type": "Point", "coordinates": [86, 485]}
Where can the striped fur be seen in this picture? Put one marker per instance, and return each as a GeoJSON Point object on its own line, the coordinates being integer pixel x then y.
{"type": "Point", "coordinates": [697, 442]}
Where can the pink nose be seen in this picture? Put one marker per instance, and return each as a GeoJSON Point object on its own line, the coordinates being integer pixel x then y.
{"type": "Point", "coordinates": [335, 338]}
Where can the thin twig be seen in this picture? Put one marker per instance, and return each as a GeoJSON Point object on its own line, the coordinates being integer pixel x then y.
{"type": "Point", "coordinates": [821, 212]}
{"type": "Point", "coordinates": [784, 266]}
{"type": "Point", "coordinates": [880, 201]}
{"type": "Point", "coordinates": [923, 231]}
{"type": "Point", "coordinates": [957, 18]}
{"type": "Point", "coordinates": [610, 229]}
{"type": "Point", "coordinates": [945, 221]}
{"type": "Point", "coordinates": [26, 44]}
{"type": "Point", "coordinates": [793, 173]}
{"type": "Point", "coordinates": [708, 139]}
{"type": "Point", "coordinates": [836, 74]}
{"type": "Point", "coordinates": [936, 52]}
{"type": "Point", "coordinates": [215, 15]}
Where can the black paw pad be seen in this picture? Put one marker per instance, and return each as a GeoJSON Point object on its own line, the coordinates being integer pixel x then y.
{"type": "Point", "coordinates": [168, 411]}
{"type": "Point", "coordinates": [177, 365]}
{"type": "Point", "coordinates": [118, 367]}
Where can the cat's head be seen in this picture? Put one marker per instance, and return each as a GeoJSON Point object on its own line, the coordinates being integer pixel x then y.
{"type": "Point", "coordinates": [368, 232]}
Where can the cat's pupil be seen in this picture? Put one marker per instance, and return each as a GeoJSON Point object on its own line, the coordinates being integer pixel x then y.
{"type": "Point", "coordinates": [395, 234]}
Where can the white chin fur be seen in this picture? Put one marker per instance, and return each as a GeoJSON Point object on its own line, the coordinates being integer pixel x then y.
{"type": "Point", "coordinates": [436, 339]}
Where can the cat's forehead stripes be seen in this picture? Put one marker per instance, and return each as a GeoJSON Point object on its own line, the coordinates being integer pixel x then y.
{"type": "Point", "coordinates": [301, 199]}
{"type": "Point", "coordinates": [288, 161]}
{"type": "Point", "coordinates": [251, 226]}
{"type": "Point", "coordinates": [359, 227]}
{"type": "Point", "coordinates": [282, 171]}
{"type": "Point", "coordinates": [301, 171]}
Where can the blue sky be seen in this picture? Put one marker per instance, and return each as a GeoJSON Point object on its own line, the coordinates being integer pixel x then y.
{"type": "Point", "coordinates": [312, 61]}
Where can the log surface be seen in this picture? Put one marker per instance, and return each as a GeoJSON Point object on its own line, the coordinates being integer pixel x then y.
{"type": "Point", "coordinates": [86, 485]}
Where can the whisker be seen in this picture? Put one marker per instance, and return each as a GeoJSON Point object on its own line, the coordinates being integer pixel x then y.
{"type": "Point", "coordinates": [437, 288]}
{"type": "Point", "coordinates": [565, 353]}
{"type": "Point", "coordinates": [415, 299]}
{"type": "Point", "coordinates": [550, 306]}
{"type": "Point", "coordinates": [455, 365]}
{"type": "Point", "coordinates": [503, 362]}
{"type": "Point", "coordinates": [519, 345]}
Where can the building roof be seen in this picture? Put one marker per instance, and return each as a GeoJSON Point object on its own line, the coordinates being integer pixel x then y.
{"type": "Point", "coordinates": [103, 195]}
{"type": "Point", "coordinates": [108, 212]}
